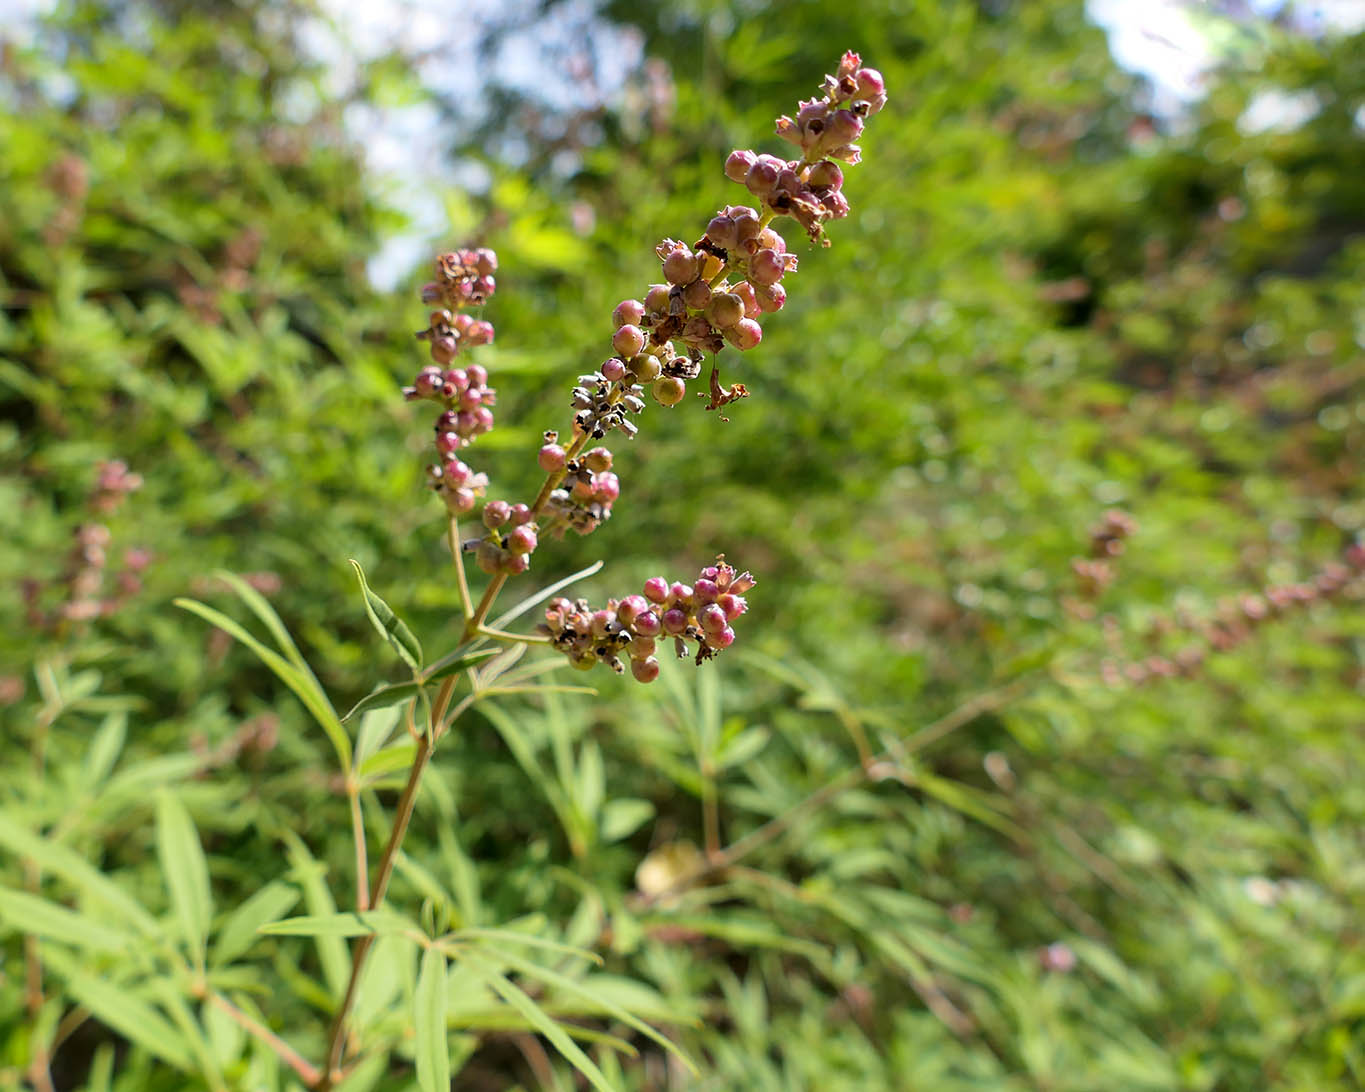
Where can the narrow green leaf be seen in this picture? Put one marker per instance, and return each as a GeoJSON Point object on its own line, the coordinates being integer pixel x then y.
{"type": "Point", "coordinates": [41, 917]}
{"type": "Point", "coordinates": [375, 728]}
{"type": "Point", "coordinates": [511, 936]}
{"type": "Point", "coordinates": [387, 761]}
{"type": "Point", "coordinates": [317, 898]}
{"type": "Point", "coordinates": [532, 600]}
{"type": "Point", "coordinates": [92, 884]}
{"type": "Point", "coordinates": [120, 1008]}
{"type": "Point", "coordinates": [382, 698]}
{"type": "Point", "coordinates": [348, 923]}
{"type": "Point", "coordinates": [623, 817]}
{"type": "Point", "coordinates": [261, 608]}
{"type": "Point", "coordinates": [105, 747]}
{"type": "Point", "coordinates": [238, 933]}
{"type": "Point", "coordinates": [185, 871]}
{"type": "Point", "coordinates": [456, 662]}
{"type": "Point", "coordinates": [392, 628]}
{"type": "Point", "coordinates": [304, 685]}
{"type": "Point", "coordinates": [429, 1022]}
{"type": "Point", "coordinates": [544, 1023]}
{"type": "Point", "coordinates": [600, 1000]}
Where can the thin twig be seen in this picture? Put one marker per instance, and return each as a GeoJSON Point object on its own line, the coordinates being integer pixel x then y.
{"type": "Point", "coordinates": [362, 864]}
{"type": "Point", "coordinates": [308, 1073]}
{"type": "Point", "coordinates": [457, 556]}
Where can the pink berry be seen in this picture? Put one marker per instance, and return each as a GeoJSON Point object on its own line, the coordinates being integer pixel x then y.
{"type": "Point", "coordinates": [825, 175]}
{"type": "Point", "coordinates": [641, 648]}
{"type": "Point", "coordinates": [656, 589]}
{"type": "Point", "coordinates": [477, 374]}
{"type": "Point", "coordinates": [681, 267]}
{"type": "Point", "coordinates": [706, 590]}
{"type": "Point", "coordinates": [766, 267]}
{"type": "Point", "coordinates": [744, 335]}
{"type": "Point", "coordinates": [614, 370]}
{"type": "Point", "coordinates": [602, 622]}
{"type": "Point", "coordinates": [629, 608]}
{"type": "Point", "coordinates": [481, 333]}
{"type": "Point", "coordinates": [680, 594]}
{"type": "Point", "coordinates": [522, 540]}
{"type": "Point", "coordinates": [697, 295]}
{"type": "Point", "coordinates": [723, 639]}
{"type": "Point", "coordinates": [628, 340]}
{"type": "Point", "coordinates": [770, 297]}
{"type": "Point", "coordinates": [732, 605]}
{"type": "Point", "coordinates": [725, 309]}
{"type": "Point", "coordinates": [598, 460]}
{"type": "Point", "coordinates": [762, 176]}
{"type": "Point", "coordinates": [712, 619]}
{"type": "Point", "coordinates": [737, 165]}
{"type": "Point", "coordinates": [496, 513]}
{"type": "Point", "coordinates": [628, 313]}
{"type": "Point", "coordinates": [551, 458]}
{"type": "Point", "coordinates": [674, 621]}
{"type": "Point", "coordinates": [656, 299]}
{"type": "Point", "coordinates": [645, 671]}
{"type": "Point", "coordinates": [647, 624]}
{"type": "Point", "coordinates": [745, 291]}
{"type": "Point", "coordinates": [606, 487]}
{"type": "Point", "coordinates": [447, 442]}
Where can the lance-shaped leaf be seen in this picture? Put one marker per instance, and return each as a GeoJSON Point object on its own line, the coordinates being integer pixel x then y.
{"type": "Point", "coordinates": [389, 626]}
{"type": "Point", "coordinates": [43, 918]}
{"type": "Point", "coordinates": [300, 681]}
{"type": "Point", "coordinates": [185, 871]}
{"type": "Point", "coordinates": [348, 923]}
{"type": "Point", "coordinates": [429, 1023]}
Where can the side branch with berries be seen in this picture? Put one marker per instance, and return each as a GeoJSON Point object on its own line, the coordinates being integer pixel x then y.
{"type": "Point", "coordinates": [713, 294]}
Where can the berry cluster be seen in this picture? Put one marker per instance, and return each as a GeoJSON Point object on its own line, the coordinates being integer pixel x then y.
{"type": "Point", "coordinates": [1233, 622]}
{"type": "Point", "coordinates": [510, 540]}
{"type": "Point", "coordinates": [701, 612]}
{"type": "Point", "coordinates": [464, 278]}
{"type": "Point", "coordinates": [586, 490]}
{"type": "Point", "coordinates": [714, 291]}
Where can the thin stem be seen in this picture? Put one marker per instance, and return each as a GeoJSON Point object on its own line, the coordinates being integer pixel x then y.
{"type": "Point", "coordinates": [308, 1073]}
{"type": "Point", "coordinates": [402, 817]}
{"type": "Point", "coordinates": [362, 864]}
{"type": "Point", "coordinates": [457, 555]}
{"type": "Point", "coordinates": [503, 635]}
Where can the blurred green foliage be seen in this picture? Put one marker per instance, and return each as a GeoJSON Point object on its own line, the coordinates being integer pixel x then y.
{"type": "Point", "coordinates": [1043, 306]}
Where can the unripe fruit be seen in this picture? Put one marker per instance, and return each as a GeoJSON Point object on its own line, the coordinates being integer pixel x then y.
{"type": "Point", "coordinates": [521, 513]}
{"type": "Point", "coordinates": [669, 390]}
{"type": "Point", "coordinates": [631, 607]}
{"type": "Point", "coordinates": [825, 175]}
{"type": "Point", "coordinates": [656, 589]}
{"type": "Point", "coordinates": [613, 370]}
{"type": "Point", "coordinates": [597, 460]}
{"type": "Point", "coordinates": [712, 619]}
{"type": "Point", "coordinates": [443, 349]}
{"type": "Point", "coordinates": [745, 291]}
{"type": "Point", "coordinates": [674, 621]}
{"type": "Point", "coordinates": [770, 297]}
{"type": "Point", "coordinates": [762, 177]}
{"type": "Point", "coordinates": [725, 309]}
{"type": "Point", "coordinates": [477, 375]}
{"type": "Point", "coordinates": [656, 299]}
{"type": "Point", "coordinates": [697, 295]}
{"type": "Point", "coordinates": [496, 513]}
{"type": "Point", "coordinates": [844, 128]}
{"type": "Point", "coordinates": [641, 648]}
{"type": "Point", "coordinates": [646, 368]}
{"type": "Point", "coordinates": [647, 624]}
{"type": "Point", "coordinates": [448, 442]}
{"type": "Point", "coordinates": [721, 231]}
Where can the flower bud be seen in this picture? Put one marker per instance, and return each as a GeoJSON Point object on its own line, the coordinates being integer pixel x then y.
{"type": "Point", "coordinates": [485, 261]}
{"type": "Point", "coordinates": [843, 128]}
{"type": "Point", "coordinates": [630, 607]}
{"type": "Point", "coordinates": [480, 333]}
{"type": "Point", "coordinates": [520, 514]}
{"type": "Point", "coordinates": [712, 619]}
{"type": "Point", "coordinates": [647, 624]}
{"type": "Point", "coordinates": [656, 299]}
{"type": "Point", "coordinates": [478, 375]}
{"type": "Point", "coordinates": [613, 371]}
{"type": "Point", "coordinates": [705, 590]}
{"type": "Point", "coordinates": [721, 231]}
{"type": "Point", "coordinates": [770, 297]}
{"type": "Point", "coordinates": [825, 175]}
{"type": "Point", "coordinates": [674, 621]}
{"type": "Point", "coordinates": [641, 648]}
{"type": "Point", "coordinates": [871, 89]}
{"type": "Point", "coordinates": [443, 349]}
{"type": "Point", "coordinates": [762, 176]}
{"type": "Point", "coordinates": [724, 639]}
{"type": "Point", "coordinates": [656, 589]}
{"type": "Point", "coordinates": [603, 622]}
{"type": "Point", "coordinates": [496, 513]}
